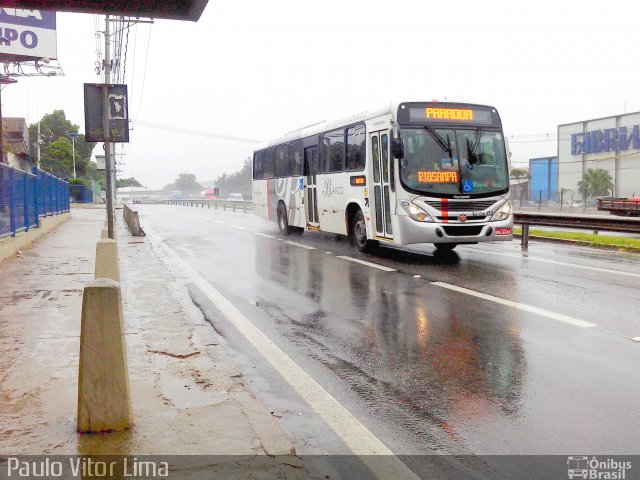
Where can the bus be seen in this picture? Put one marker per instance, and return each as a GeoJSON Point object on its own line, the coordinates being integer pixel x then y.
{"type": "Point", "coordinates": [412, 172]}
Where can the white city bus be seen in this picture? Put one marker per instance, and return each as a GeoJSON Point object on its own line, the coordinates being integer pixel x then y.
{"type": "Point", "coordinates": [413, 172]}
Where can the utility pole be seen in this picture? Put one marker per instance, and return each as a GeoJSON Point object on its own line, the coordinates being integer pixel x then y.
{"type": "Point", "coordinates": [105, 127]}
{"type": "Point", "coordinates": [38, 147]}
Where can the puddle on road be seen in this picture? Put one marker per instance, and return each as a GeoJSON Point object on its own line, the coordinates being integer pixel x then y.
{"type": "Point", "coordinates": [185, 393]}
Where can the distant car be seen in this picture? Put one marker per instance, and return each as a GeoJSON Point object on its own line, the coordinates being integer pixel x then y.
{"type": "Point", "coordinates": [235, 197]}
{"type": "Point", "coordinates": [137, 200]}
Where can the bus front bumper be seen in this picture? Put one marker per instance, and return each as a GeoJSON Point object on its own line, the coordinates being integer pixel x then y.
{"type": "Point", "coordinates": [427, 232]}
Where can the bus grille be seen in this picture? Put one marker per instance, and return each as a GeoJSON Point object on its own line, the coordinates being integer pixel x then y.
{"type": "Point", "coordinates": [462, 206]}
{"type": "Point", "coordinates": [462, 231]}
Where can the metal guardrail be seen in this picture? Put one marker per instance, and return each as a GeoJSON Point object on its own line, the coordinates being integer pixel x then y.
{"type": "Point", "coordinates": [584, 222]}
{"type": "Point", "coordinates": [25, 197]}
{"type": "Point", "coordinates": [233, 205]}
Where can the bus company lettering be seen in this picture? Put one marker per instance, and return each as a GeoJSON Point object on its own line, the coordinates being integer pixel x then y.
{"type": "Point", "coordinates": [347, 120]}
{"type": "Point", "coordinates": [487, 184]}
{"type": "Point", "coordinates": [607, 140]}
{"type": "Point", "coordinates": [449, 113]}
{"type": "Point", "coordinates": [438, 177]}
{"type": "Point", "coordinates": [328, 190]}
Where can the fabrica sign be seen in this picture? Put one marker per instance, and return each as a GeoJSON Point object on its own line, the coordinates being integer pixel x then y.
{"type": "Point", "coordinates": [27, 33]}
{"type": "Point", "coordinates": [607, 140]}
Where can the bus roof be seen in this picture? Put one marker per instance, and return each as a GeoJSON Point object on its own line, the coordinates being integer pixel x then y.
{"type": "Point", "coordinates": [319, 127]}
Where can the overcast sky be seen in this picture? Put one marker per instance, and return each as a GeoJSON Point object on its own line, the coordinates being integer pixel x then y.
{"type": "Point", "coordinates": [257, 69]}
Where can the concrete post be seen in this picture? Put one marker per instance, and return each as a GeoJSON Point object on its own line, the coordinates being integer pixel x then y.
{"type": "Point", "coordinates": [107, 259]}
{"type": "Point", "coordinates": [104, 402]}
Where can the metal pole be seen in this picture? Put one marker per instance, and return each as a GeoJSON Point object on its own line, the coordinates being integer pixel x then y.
{"type": "Point", "coordinates": [105, 127]}
{"type": "Point", "coordinates": [73, 154]}
{"type": "Point", "coordinates": [524, 244]}
{"type": "Point", "coordinates": [38, 147]}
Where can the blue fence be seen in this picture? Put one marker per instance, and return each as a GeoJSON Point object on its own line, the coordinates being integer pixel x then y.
{"type": "Point", "coordinates": [25, 197]}
{"type": "Point", "coordinates": [80, 193]}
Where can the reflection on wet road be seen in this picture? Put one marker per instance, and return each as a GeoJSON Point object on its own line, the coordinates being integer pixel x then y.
{"type": "Point", "coordinates": [483, 350]}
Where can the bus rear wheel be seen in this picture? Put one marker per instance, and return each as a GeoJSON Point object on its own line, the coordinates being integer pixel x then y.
{"type": "Point", "coordinates": [283, 222]}
{"type": "Point", "coordinates": [445, 247]}
{"type": "Point", "coordinates": [359, 233]}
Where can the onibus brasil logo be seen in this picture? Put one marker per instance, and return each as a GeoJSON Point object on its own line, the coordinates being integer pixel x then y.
{"type": "Point", "coordinates": [594, 468]}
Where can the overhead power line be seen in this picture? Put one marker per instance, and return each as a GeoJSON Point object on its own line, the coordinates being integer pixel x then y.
{"type": "Point", "coordinates": [196, 133]}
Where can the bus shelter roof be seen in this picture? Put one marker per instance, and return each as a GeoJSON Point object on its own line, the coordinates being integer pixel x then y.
{"type": "Point", "coordinates": [175, 10]}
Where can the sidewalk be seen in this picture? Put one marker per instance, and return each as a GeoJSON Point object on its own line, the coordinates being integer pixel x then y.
{"type": "Point", "coordinates": [187, 395]}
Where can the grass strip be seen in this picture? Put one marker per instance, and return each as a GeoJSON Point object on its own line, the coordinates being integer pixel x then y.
{"type": "Point", "coordinates": [588, 238]}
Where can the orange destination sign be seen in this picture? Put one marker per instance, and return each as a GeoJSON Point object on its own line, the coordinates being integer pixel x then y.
{"type": "Point", "coordinates": [465, 114]}
{"type": "Point", "coordinates": [438, 177]}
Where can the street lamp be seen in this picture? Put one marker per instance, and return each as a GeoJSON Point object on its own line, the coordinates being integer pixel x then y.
{"type": "Point", "coordinates": [73, 149]}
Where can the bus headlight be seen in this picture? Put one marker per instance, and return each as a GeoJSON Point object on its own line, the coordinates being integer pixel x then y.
{"type": "Point", "coordinates": [503, 212]}
{"type": "Point", "coordinates": [416, 213]}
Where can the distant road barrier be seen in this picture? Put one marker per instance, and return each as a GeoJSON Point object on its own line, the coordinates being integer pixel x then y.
{"type": "Point", "coordinates": [234, 205]}
{"type": "Point", "coordinates": [584, 222]}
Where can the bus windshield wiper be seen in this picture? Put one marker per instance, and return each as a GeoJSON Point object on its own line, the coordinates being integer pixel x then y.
{"type": "Point", "coordinates": [471, 148]}
{"type": "Point", "coordinates": [439, 140]}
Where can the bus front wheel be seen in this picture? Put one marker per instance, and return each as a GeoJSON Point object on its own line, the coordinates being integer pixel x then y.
{"type": "Point", "coordinates": [359, 233]}
{"type": "Point", "coordinates": [283, 222]}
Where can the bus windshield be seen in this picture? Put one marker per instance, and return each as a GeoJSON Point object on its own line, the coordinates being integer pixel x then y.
{"type": "Point", "coordinates": [446, 161]}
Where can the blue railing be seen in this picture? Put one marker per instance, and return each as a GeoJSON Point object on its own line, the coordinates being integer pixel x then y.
{"type": "Point", "coordinates": [26, 197]}
{"type": "Point", "coordinates": [80, 193]}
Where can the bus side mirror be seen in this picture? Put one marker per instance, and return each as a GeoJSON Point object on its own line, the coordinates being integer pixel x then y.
{"type": "Point", "coordinates": [397, 148]}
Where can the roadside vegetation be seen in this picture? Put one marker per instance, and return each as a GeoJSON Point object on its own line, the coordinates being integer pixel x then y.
{"type": "Point", "coordinates": [585, 237]}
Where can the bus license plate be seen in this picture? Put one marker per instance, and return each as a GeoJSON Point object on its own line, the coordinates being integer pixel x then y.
{"type": "Point", "coordinates": [503, 231]}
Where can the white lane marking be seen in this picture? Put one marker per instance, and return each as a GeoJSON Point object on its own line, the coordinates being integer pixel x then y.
{"type": "Point", "coordinates": [555, 262]}
{"type": "Point", "coordinates": [368, 264]}
{"type": "Point", "coordinates": [358, 438]}
{"type": "Point", "coordinates": [299, 245]}
{"type": "Point", "coordinates": [265, 235]}
{"type": "Point", "coordinates": [520, 306]}
{"type": "Point", "coordinates": [218, 222]}
{"type": "Point", "coordinates": [238, 227]}
{"type": "Point", "coordinates": [636, 339]}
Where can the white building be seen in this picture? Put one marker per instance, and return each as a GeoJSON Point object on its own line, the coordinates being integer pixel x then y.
{"type": "Point", "coordinates": [611, 143]}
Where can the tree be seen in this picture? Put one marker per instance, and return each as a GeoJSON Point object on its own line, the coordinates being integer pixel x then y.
{"type": "Point", "coordinates": [238, 182]}
{"type": "Point", "coordinates": [186, 183]}
{"type": "Point", "coordinates": [53, 127]}
{"type": "Point", "coordinates": [595, 182]}
{"type": "Point", "coordinates": [128, 182]}
{"type": "Point", "coordinates": [520, 174]}
{"type": "Point", "coordinates": [57, 158]}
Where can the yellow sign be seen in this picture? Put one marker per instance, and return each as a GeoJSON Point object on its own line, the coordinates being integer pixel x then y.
{"type": "Point", "coordinates": [465, 114]}
{"type": "Point", "coordinates": [438, 177]}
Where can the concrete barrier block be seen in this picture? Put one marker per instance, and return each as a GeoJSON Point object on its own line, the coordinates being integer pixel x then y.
{"type": "Point", "coordinates": [107, 264]}
{"type": "Point", "coordinates": [104, 402]}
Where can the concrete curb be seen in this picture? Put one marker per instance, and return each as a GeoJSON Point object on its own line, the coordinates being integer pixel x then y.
{"type": "Point", "coordinates": [12, 245]}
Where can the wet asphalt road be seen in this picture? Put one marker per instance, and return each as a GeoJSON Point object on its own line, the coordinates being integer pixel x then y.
{"type": "Point", "coordinates": [432, 357]}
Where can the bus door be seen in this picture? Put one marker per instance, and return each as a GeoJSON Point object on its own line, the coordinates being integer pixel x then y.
{"type": "Point", "coordinates": [383, 197]}
{"type": "Point", "coordinates": [311, 194]}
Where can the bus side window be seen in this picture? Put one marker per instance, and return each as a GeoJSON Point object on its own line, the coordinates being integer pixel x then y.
{"type": "Point", "coordinates": [355, 148]}
{"type": "Point", "coordinates": [295, 168]}
{"type": "Point", "coordinates": [281, 161]}
{"type": "Point", "coordinates": [268, 163]}
{"type": "Point", "coordinates": [333, 151]}
{"type": "Point", "coordinates": [258, 165]}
